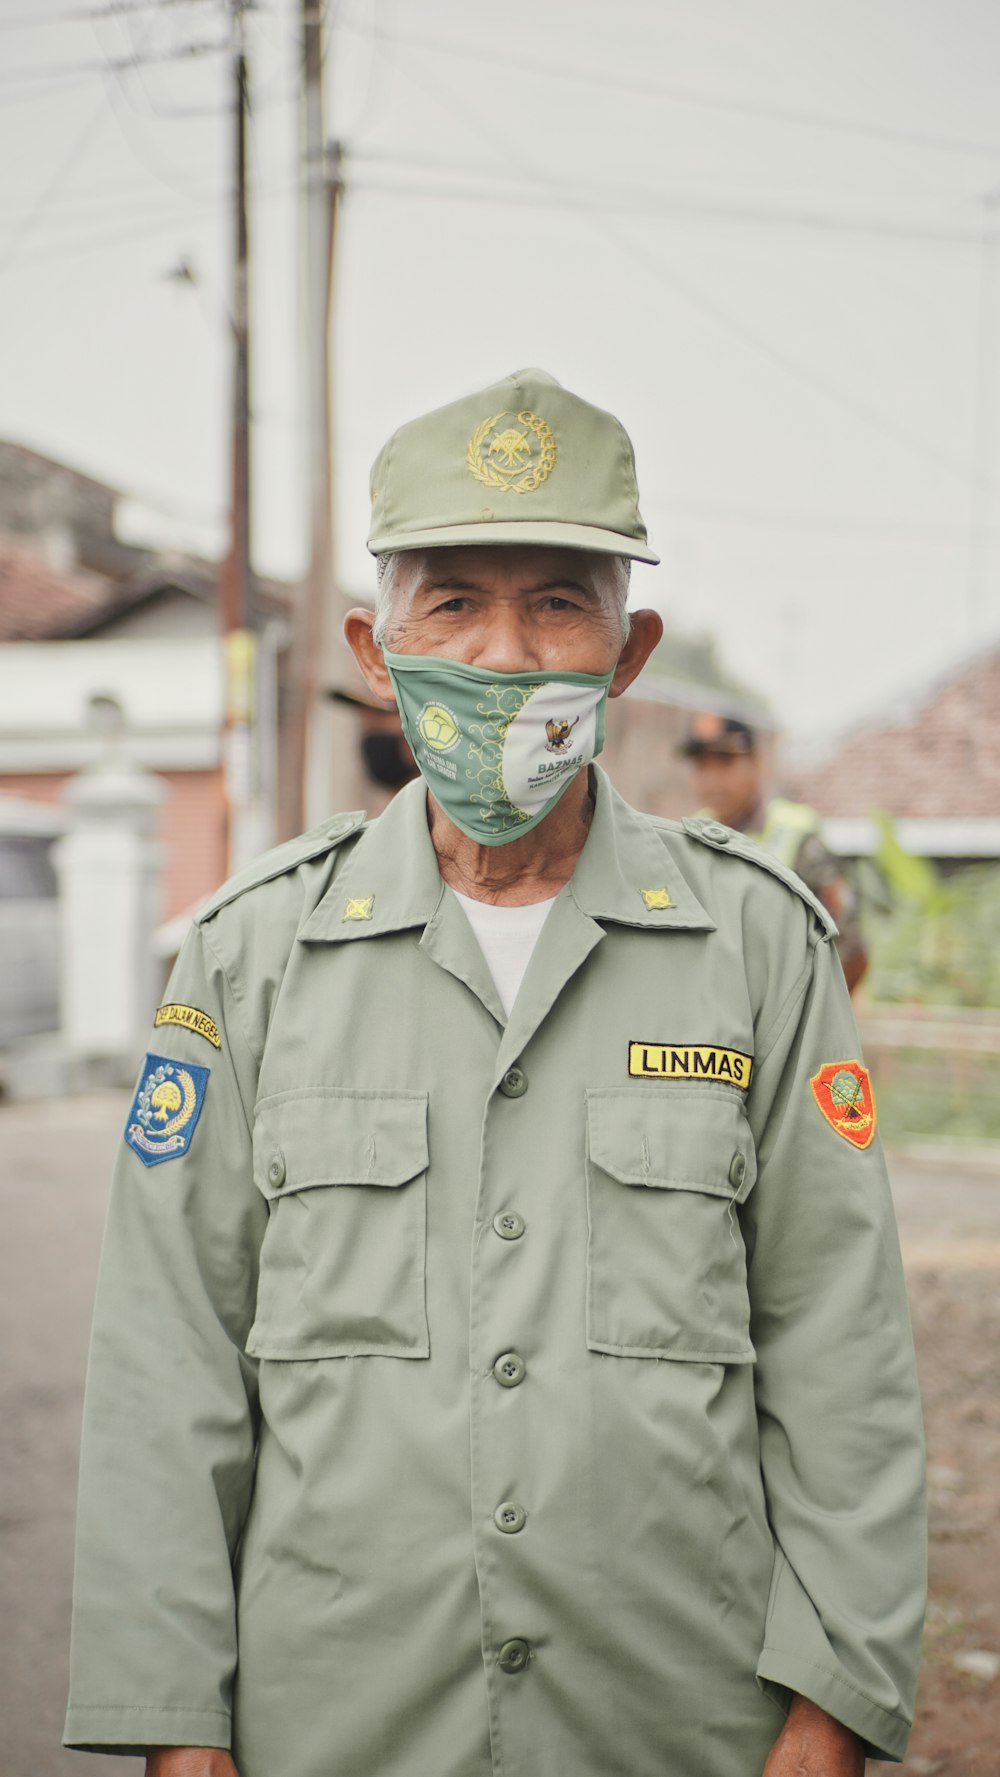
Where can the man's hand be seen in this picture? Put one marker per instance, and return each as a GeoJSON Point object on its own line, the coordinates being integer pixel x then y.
{"type": "Point", "coordinates": [812, 1744]}
{"type": "Point", "coordinates": [189, 1761]}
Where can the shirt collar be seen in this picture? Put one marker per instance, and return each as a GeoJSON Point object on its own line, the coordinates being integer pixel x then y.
{"type": "Point", "coordinates": [625, 874]}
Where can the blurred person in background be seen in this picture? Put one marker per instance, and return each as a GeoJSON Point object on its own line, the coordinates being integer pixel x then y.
{"type": "Point", "coordinates": [385, 757]}
{"type": "Point", "coordinates": [501, 1360]}
{"type": "Point", "coordinates": [729, 778]}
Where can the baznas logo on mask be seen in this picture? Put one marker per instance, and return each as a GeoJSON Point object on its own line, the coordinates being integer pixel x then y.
{"type": "Point", "coordinates": [514, 741]}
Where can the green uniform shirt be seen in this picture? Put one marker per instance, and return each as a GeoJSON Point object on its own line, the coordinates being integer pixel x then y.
{"type": "Point", "coordinates": [463, 1402]}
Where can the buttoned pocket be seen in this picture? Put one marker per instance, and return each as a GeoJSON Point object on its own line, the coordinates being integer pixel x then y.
{"type": "Point", "coordinates": [666, 1265]}
{"type": "Point", "coordinates": [342, 1268]}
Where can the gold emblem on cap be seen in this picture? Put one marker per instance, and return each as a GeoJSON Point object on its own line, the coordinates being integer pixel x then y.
{"type": "Point", "coordinates": [515, 459]}
{"type": "Point", "coordinates": [359, 907]}
{"type": "Point", "coordinates": [656, 898]}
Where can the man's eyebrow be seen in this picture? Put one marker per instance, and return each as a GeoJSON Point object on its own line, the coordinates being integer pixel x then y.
{"type": "Point", "coordinates": [458, 583]}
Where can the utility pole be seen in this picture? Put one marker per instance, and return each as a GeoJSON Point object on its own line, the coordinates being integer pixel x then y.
{"type": "Point", "coordinates": [244, 836]}
{"type": "Point", "coordinates": [320, 774]}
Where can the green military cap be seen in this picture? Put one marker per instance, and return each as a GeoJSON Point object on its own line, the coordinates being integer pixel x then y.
{"type": "Point", "coordinates": [525, 461]}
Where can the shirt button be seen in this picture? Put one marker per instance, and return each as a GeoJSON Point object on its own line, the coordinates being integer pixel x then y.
{"type": "Point", "coordinates": [514, 1655]}
{"type": "Point", "coordinates": [510, 1369]}
{"type": "Point", "coordinates": [715, 830]}
{"type": "Point", "coordinates": [509, 1225]}
{"type": "Point", "coordinates": [514, 1083]}
{"type": "Point", "coordinates": [510, 1517]}
{"type": "Point", "coordinates": [276, 1171]}
{"type": "Point", "coordinates": [737, 1170]}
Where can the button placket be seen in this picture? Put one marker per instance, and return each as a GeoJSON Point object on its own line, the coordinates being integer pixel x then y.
{"type": "Point", "coordinates": [510, 1369]}
{"type": "Point", "coordinates": [510, 1517]}
{"type": "Point", "coordinates": [508, 1224]}
{"type": "Point", "coordinates": [514, 1655]}
{"type": "Point", "coordinates": [514, 1083]}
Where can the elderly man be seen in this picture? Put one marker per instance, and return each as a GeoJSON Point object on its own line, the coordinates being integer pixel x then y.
{"type": "Point", "coordinates": [501, 1360]}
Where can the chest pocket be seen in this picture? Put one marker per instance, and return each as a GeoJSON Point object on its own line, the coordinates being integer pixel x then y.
{"type": "Point", "coordinates": [666, 1265]}
{"type": "Point", "coordinates": [342, 1271]}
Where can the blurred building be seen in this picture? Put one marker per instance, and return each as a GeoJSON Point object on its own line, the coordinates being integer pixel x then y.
{"type": "Point", "coordinates": [932, 762]}
{"type": "Point", "coordinates": [84, 616]}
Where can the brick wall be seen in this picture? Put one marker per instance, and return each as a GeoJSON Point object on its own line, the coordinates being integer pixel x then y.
{"type": "Point", "coordinates": [192, 828]}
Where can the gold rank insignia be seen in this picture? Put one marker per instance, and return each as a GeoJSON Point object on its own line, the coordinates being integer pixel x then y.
{"type": "Point", "coordinates": [514, 458]}
{"type": "Point", "coordinates": [189, 1018]}
{"type": "Point", "coordinates": [359, 907]}
{"type": "Point", "coordinates": [656, 899]}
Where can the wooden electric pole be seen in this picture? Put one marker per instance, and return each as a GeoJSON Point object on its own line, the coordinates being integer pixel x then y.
{"type": "Point", "coordinates": [319, 774]}
{"type": "Point", "coordinates": [236, 589]}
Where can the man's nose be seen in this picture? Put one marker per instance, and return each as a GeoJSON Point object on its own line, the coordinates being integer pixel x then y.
{"type": "Point", "coordinates": [508, 643]}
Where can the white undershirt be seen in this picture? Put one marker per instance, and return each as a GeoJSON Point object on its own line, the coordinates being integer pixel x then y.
{"type": "Point", "coordinates": [507, 936]}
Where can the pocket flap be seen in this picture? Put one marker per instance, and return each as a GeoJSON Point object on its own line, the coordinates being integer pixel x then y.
{"type": "Point", "coordinates": [327, 1135]}
{"type": "Point", "coordinates": [678, 1138]}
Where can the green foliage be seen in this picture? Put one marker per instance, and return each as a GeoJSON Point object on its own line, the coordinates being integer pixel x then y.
{"type": "Point", "coordinates": [937, 942]}
{"type": "Point", "coordinates": [933, 1093]}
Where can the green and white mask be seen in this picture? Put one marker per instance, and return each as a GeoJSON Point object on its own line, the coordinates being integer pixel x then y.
{"type": "Point", "coordinates": [497, 749]}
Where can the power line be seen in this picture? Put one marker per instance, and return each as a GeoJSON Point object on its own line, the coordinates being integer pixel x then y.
{"type": "Point", "coordinates": [49, 71]}
{"type": "Point", "coordinates": [947, 533]}
{"type": "Point", "coordinates": [628, 201]}
{"type": "Point", "coordinates": [111, 9]}
{"type": "Point", "coordinates": [153, 225]}
{"type": "Point", "coordinates": [680, 95]}
{"type": "Point", "coordinates": [30, 220]}
{"type": "Point", "coordinates": [706, 305]}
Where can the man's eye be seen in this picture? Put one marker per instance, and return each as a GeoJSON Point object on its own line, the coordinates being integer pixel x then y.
{"type": "Point", "coordinates": [455, 604]}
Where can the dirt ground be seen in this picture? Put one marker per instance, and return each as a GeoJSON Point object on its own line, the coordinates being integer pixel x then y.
{"type": "Point", "coordinates": [951, 1238]}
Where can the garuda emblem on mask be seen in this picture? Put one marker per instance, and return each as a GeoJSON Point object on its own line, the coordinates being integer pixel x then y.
{"type": "Point", "coordinates": [557, 735]}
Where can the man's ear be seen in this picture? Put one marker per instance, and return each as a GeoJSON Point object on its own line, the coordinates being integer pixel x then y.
{"type": "Point", "coordinates": [646, 630]}
{"type": "Point", "coordinates": [358, 626]}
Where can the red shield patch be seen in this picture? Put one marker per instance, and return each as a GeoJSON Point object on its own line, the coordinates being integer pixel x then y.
{"type": "Point", "coordinates": [843, 1091]}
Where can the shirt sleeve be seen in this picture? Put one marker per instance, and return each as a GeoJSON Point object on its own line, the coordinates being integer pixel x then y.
{"type": "Point", "coordinates": [841, 1440]}
{"type": "Point", "coordinates": [825, 874]}
{"type": "Point", "coordinates": [170, 1410]}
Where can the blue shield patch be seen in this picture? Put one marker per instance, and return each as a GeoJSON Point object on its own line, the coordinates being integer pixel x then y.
{"type": "Point", "coordinates": [165, 1109]}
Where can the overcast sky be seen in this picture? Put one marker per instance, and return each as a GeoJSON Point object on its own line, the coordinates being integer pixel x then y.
{"type": "Point", "coordinates": [754, 229]}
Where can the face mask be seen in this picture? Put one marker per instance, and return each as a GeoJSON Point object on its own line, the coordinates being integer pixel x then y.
{"type": "Point", "coordinates": [497, 749]}
{"type": "Point", "coordinates": [387, 759]}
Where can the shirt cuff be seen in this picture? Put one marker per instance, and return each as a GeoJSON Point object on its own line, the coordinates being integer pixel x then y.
{"type": "Point", "coordinates": [780, 1672]}
{"type": "Point", "coordinates": [122, 1728]}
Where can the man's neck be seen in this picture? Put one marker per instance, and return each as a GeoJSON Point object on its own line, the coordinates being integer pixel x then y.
{"type": "Point", "coordinates": [524, 870]}
{"type": "Point", "coordinates": [752, 819]}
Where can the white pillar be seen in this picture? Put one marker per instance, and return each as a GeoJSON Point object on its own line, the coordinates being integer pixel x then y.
{"type": "Point", "coordinates": [110, 869]}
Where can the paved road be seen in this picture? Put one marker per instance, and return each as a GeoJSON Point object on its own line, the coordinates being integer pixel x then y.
{"type": "Point", "coordinates": [54, 1164]}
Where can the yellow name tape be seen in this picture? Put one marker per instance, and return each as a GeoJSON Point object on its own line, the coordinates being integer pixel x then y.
{"type": "Point", "coordinates": [692, 1061]}
{"type": "Point", "coordinates": [189, 1018]}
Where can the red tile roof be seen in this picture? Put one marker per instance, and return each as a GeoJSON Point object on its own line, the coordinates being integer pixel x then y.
{"type": "Point", "coordinates": [39, 603]}
{"type": "Point", "coordinates": [940, 757]}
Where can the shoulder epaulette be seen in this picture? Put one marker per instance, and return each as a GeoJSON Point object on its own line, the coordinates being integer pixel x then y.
{"type": "Point", "coordinates": [726, 839]}
{"type": "Point", "coordinates": [283, 858]}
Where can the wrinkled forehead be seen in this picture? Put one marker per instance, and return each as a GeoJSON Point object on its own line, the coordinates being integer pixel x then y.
{"type": "Point", "coordinates": [505, 568]}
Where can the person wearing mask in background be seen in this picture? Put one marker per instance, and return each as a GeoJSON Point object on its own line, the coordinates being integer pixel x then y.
{"type": "Point", "coordinates": [386, 760]}
{"type": "Point", "coordinates": [728, 775]}
{"type": "Point", "coordinates": [501, 1361]}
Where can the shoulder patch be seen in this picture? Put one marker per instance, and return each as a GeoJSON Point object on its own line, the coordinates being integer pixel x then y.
{"type": "Point", "coordinates": [165, 1109]}
{"type": "Point", "coordinates": [189, 1018]}
{"type": "Point", "coordinates": [282, 859]}
{"type": "Point", "coordinates": [843, 1092]}
{"type": "Point", "coordinates": [726, 839]}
